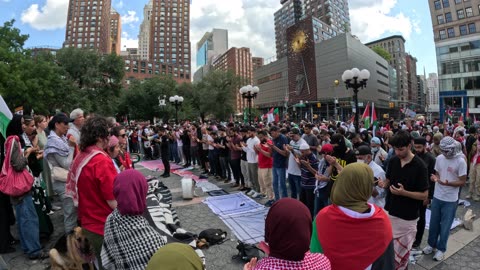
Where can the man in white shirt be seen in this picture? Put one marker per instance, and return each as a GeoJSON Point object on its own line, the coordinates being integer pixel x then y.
{"type": "Point", "coordinates": [76, 126]}
{"type": "Point", "coordinates": [450, 175]}
{"type": "Point", "coordinates": [294, 172]}
{"type": "Point", "coordinates": [252, 160]}
{"type": "Point", "coordinates": [364, 155]}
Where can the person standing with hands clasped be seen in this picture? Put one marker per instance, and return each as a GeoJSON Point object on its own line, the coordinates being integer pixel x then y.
{"type": "Point", "coordinates": [450, 175]}
{"type": "Point", "coordinates": [407, 187]}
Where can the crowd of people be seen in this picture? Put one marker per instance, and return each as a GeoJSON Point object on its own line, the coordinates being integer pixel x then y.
{"type": "Point", "coordinates": [326, 184]}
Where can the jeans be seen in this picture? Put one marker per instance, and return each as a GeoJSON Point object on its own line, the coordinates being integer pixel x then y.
{"type": "Point", "coordinates": [321, 201]}
{"type": "Point", "coordinates": [194, 155]}
{"type": "Point", "coordinates": [224, 168]}
{"type": "Point", "coordinates": [69, 210]}
{"type": "Point", "coordinates": [294, 182]}
{"type": "Point", "coordinates": [279, 183]}
{"type": "Point", "coordinates": [186, 153]}
{"type": "Point", "coordinates": [213, 161]}
{"type": "Point", "coordinates": [244, 170]}
{"type": "Point", "coordinates": [441, 220]}
{"type": "Point", "coordinates": [28, 228]}
{"type": "Point", "coordinates": [237, 172]}
{"type": "Point", "coordinates": [253, 176]}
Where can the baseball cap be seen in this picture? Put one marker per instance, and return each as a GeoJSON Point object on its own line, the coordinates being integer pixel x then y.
{"type": "Point", "coordinates": [327, 148]}
{"type": "Point", "coordinates": [304, 146]}
{"type": "Point", "coordinates": [375, 140]}
{"type": "Point", "coordinates": [363, 150]}
{"type": "Point", "coordinates": [59, 118]}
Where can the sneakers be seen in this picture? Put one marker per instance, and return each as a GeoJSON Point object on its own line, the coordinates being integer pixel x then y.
{"type": "Point", "coordinates": [469, 196]}
{"type": "Point", "coordinates": [251, 192]}
{"type": "Point", "coordinates": [439, 256]}
{"type": "Point", "coordinates": [428, 250]}
{"type": "Point", "coordinates": [257, 195]}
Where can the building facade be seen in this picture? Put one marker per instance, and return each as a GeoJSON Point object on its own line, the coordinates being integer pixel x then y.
{"type": "Point", "coordinates": [89, 25]}
{"type": "Point", "coordinates": [169, 36]}
{"type": "Point", "coordinates": [457, 44]}
{"type": "Point", "coordinates": [333, 13]}
{"type": "Point", "coordinates": [144, 34]}
{"type": "Point", "coordinates": [210, 46]}
{"type": "Point", "coordinates": [395, 46]}
{"type": "Point", "coordinates": [432, 95]}
{"type": "Point", "coordinates": [239, 61]}
{"type": "Point", "coordinates": [412, 84]}
{"type": "Point", "coordinates": [257, 62]}
{"type": "Point", "coordinates": [116, 31]}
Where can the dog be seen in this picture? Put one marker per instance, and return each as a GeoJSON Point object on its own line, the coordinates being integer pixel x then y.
{"type": "Point", "coordinates": [72, 252]}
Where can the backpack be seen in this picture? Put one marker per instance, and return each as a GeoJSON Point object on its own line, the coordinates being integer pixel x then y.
{"type": "Point", "coordinates": [247, 251]}
{"type": "Point", "coordinates": [213, 236]}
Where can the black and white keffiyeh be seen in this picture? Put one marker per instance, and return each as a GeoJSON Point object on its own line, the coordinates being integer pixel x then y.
{"type": "Point", "coordinates": [129, 242]}
{"type": "Point", "coordinates": [450, 147]}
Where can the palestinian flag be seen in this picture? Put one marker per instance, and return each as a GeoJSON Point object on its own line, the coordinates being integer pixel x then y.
{"type": "Point", "coordinates": [5, 117]}
{"type": "Point", "coordinates": [449, 115]}
{"type": "Point", "coordinates": [276, 115]}
{"type": "Point", "coordinates": [366, 117]}
{"type": "Point", "coordinates": [374, 119]}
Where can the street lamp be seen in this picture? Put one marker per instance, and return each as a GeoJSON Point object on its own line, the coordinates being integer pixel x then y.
{"type": "Point", "coordinates": [176, 101]}
{"type": "Point", "coordinates": [335, 101]}
{"type": "Point", "coordinates": [356, 80]}
{"type": "Point", "coordinates": [249, 92]}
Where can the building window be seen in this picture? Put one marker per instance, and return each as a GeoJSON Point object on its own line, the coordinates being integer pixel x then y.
{"type": "Point", "coordinates": [460, 14]}
{"type": "Point", "coordinates": [469, 11]}
{"type": "Point", "coordinates": [440, 19]}
{"type": "Point", "coordinates": [448, 17]}
{"type": "Point", "coordinates": [443, 34]}
{"type": "Point", "coordinates": [446, 3]}
{"type": "Point", "coordinates": [472, 28]}
{"type": "Point", "coordinates": [437, 4]}
{"type": "Point", "coordinates": [458, 1]}
{"type": "Point", "coordinates": [451, 32]}
{"type": "Point", "coordinates": [463, 30]}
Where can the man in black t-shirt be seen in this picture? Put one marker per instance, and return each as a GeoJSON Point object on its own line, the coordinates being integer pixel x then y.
{"type": "Point", "coordinates": [164, 147]}
{"type": "Point", "coordinates": [407, 188]}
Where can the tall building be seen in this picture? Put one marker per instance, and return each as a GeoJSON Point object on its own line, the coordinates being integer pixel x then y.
{"type": "Point", "coordinates": [239, 61]}
{"type": "Point", "coordinates": [412, 83]}
{"type": "Point", "coordinates": [395, 46]}
{"type": "Point", "coordinates": [421, 92]}
{"type": "Point", "coordinates": [144, 34]}
{"type": "Point", "coordinates": [333, 13]}
{"type": "Point", "coordinates": [432, 93]}
{"type": "Point", "coordinates": [89, 25]}
{"type": "Point", "coordinates": [210, 46]}
{"type": "Point", "coordinates": [116, 31]}
{"type": "Point", "coordinates": [457, 44]}
{"type": "Point", "coordinates": [169, 37]}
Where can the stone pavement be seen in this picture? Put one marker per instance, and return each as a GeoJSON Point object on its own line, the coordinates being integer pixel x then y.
{"type": "Point", "coordinates": [463, 250]}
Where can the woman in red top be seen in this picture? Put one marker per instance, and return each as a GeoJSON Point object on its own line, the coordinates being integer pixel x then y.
{"type": "Point", "coordinates": [91, 176]}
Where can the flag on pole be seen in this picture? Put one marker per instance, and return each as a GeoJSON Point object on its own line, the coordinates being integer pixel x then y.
{"type": "Point", "coordinates": [270, 117]}
{"type": "Point", "coordinates": [277, 115]}
{"type": "Point", "coordinates": [374, 119]}
{"type": "Point", "coordinates": [366, 117]}
{"type": "Point", "coordinates": [5, 117]}
{"type": "Point", "coordinates": [449, 114]}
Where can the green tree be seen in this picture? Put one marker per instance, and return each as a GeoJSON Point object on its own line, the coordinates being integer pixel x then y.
{"type": "Point", "coordinates": [382, 52]}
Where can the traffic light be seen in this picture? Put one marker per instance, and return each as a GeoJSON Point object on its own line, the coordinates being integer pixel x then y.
{"type": "Point", "coordinates": [319, 105]}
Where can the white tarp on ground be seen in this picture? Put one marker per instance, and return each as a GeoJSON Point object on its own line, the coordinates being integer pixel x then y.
{"type": "Point", "coordinates": [456, 221]}
{"type": "Point", "coordinates": [248, 227]}
{"type": "Point", "coordinates": [244, 216]}
{"type": "Point", "coordinates": [207, 186]}
{"type": "Point", "coordinates": [232, 204]}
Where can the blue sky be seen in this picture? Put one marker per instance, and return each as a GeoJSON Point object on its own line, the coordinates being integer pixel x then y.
{"type": "Point", "coordinates": [250, 23]}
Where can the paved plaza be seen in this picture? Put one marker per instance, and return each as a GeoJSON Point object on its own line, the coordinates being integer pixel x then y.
{"type": "Point", "coordinates": [463, 246]}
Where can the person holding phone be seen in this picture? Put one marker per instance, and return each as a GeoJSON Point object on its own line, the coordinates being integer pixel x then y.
{"type": "Point", "coordinates": [407, 187]}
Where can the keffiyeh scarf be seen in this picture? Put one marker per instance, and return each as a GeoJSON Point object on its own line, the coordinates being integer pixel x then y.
{"type": "Point", "coordinates": [449, 147]}
{"type": "Point", "coordinates": [129, 242]}
{"type": "Point", "coordinates": [56, 145]}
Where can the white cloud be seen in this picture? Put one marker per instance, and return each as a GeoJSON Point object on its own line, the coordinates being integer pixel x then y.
{"type": "Point", "coordinates": [249, 24]}
{"type": "Point", "coordinates": [130, 17]}
{"type": "Point", "coordinates": [372, 19]}
{"type": "Point", "coordinates": [52, 15]}
{"type": "Point", "coordinates": [118, 4]}
{"type": "Point", "coordinates": [128, 42]}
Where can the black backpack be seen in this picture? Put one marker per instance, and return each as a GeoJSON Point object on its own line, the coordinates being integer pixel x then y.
{"type": "Point", "coordinates": [247, 251]}
{"type": "Point", "coordinates": [213, 236]}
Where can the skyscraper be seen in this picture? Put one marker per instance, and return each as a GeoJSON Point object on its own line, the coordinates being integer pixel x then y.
{"type": "Point", "coordinates": [89, 25]}
{"type": "Point", "coordinates": [457, 44]}
{"type": "Point", "coordinates": [333, 13]}
{"type": "Point", "coordinates": [116, 31]}
{"type": "Point", "coordinates": [210, 46]}
{"type": "Point", "coordinates": [169, 37]}
{"type": "Point", "coordinates": [144, 35]}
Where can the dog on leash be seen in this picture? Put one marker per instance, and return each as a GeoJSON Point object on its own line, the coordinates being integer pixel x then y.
{"type": "Point", "coordinates": [72, 252]}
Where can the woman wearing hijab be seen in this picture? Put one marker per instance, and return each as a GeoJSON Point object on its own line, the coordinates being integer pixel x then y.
{"type": "Point", "coordinates": [129, 241]}
{"type": "Point", "coordinates": [352, 233]}
{"type": "Point", "coordinates": [175, 256]}
{"type": "Point", "coordinates": [288, 228]}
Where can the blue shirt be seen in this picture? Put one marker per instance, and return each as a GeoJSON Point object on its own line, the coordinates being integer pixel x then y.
{"type": "Point", "coordinates": [279, 161]}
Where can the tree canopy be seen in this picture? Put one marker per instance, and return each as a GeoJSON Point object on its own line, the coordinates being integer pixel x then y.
{"type": "Point", "coordinates": [382, 52]}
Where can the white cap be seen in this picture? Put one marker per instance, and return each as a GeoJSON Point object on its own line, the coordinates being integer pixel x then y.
{"type": "Point", "coordinates": [304, 146]}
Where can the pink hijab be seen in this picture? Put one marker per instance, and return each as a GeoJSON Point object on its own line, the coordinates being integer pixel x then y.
{"type": "Point", "coordinates": [130, 190]}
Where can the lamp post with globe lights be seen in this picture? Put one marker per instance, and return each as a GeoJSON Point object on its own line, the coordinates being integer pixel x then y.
{"type": "Point", "coordinates": [249, 93]}
{"type": "Point", "coordinates": [356, 80]}
{"type": "Point", "coordinates": [177, 102]}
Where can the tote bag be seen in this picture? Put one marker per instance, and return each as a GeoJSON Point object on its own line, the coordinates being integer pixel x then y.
{"type": "Point", "coordinates": [14, 183]}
